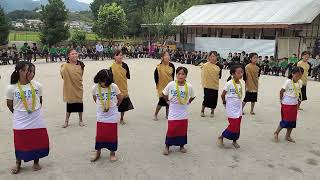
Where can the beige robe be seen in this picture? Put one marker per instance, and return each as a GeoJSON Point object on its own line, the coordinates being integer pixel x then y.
{"type": "Point", "coordinates": [72, 83]}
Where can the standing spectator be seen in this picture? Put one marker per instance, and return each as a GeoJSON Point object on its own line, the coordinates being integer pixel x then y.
{"type": "Point", "coordinates": [84, 52]}
{"type": "Point", "coordinates": [53, 53]}
{"type": "Point", "coordinates": [35, 51]}
{"type": "Point", "coordinates": [99, 51]}
{"type": "Point", "coordinates": [23, 51]}
{"type": "Point", "coordinates": [45, 52]}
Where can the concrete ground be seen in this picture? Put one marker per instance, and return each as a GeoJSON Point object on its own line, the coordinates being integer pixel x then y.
{"type": "Point", "coordinates": [141, 140]}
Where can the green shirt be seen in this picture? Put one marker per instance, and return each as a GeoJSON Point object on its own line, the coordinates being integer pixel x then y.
{"type": "Point", "coordinates": [272, 63]}
{"type": "Point", "coordinates": [284, 63]}
{"type": "Point", "coordinates": [293, 60]}
{"type": "Point", "coordinates": [53, 50]}
{"type": "Point", "coordinates": [24, 48]}
{"type": "Point", "coordinates": [63, 50]}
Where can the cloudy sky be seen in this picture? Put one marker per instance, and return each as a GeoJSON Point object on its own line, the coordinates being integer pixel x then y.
{"type": "Point", "coordinates": [86, 1]}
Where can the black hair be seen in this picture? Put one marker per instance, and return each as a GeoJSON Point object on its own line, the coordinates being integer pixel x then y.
{"type": "Point", "coordinates": [104, 75]}
{"type": "Point", "coordinates": [295, 70]}
{"type": "Point", "coordinates": [233, 70]}
{"type": "Point", "coordinates": [15, 74]}
{"type": "Point", "coordinates": [117, 53]}
{"type": "Point", "coordinates": [214, 53]}
{"type": "Point", "coordinates": [251, 55]}
{"type": "Point", "coordinates": [305, 53]}
{"type": "Point", "coordinates": [185, 70]}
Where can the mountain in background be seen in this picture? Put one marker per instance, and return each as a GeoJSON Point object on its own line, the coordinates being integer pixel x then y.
{"type": "Point", "coordinates": [12, 5]}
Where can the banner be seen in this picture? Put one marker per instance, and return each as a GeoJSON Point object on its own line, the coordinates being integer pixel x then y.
{"type": "Point", "coordinates": [225, 45]}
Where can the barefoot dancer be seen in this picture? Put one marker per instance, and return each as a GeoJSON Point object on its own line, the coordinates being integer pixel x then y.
{"type": "Point", "coordinates": [290, 95]}
{"type": "Point", "coordinates": [210, 75]}
{"type": "Point", "coordinates": [180, 94]}
{"type": "Point", "coordinates": [24, 100]}
{"type": "Point", "coordinates": [121, 74]}
{"type": "Point", "coordinates": [304, 64]}
{"type": "Point", "coordinates": [71, 73]}
{"type": "Point", "coordinates": [232, 100]}
{"type": "Point", "coordinates": [107, 97]}
{"type": "Point", "coordinates": [251, 76]}
{"type": "Point", "coordinates": [163, 74]}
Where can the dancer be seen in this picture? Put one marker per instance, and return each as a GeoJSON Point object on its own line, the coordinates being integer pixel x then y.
{"type": "Point", "coordinates": [107, 97]}
{"type": "Point", "coordinates": [24, 100]}
{"type": "Point", "coordinates": [121, 74]}
{"type": "Point", "coordinates": [231, 98]}
{"type": "Point", "coordinates": [251, 77]}
{"type": "Point", "coordinates": [72, 73]}
{"type": "Point", "coordinates": [163, 74]}
{"type": "Point", "coordinates": [180, 94]}
{"type": "Point", "coordinates": [210, 75]}
{"type": "Point", "coordinates": [305, 65]}
{"type": "Point", "coordinates": [290, 96]}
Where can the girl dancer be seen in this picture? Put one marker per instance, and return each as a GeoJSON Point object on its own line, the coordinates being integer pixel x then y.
{"type": "Point", "coordinates": [107, 97]}
{"type": "Point", "coordinates": [290, 96]}
{"type": "Point", "coordinates": [24, 100]}
{"type": "Point", "coordinates": [180, 94]}
{"type": "Point", "coordinates": [163, 74]}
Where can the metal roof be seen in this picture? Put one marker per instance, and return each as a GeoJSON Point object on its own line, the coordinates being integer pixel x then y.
{"type": "Point", "coordinates": [251, 13]}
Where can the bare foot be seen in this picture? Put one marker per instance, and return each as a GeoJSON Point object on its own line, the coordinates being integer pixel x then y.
{"type": "Point", "coordinates": [16, 168]}
{"type": "Point", "coordinates": [66, 124]}
{"type": "Point", "coordinates": [252, 113]}
{"type": "Point", "coordinates": [276, 137]}
{"type": "Point", "coordinates": [36, 167]}
{"type": "Point", "coordinates": [95, 157]}
{"type": "Point", "coordinates": [220, 142]}
{"type": "Point", "coordinates": [290, 139]}
{"type": "Point", "coordinates": [113, 158]}
{"type": "Point", "coordinates": [236, 145]}
{"type": "Point", "coordinates": [122, 122]}
{"type": "Point", "coordinates": [202, 114]}
{"type": "Point", "coordinates": [183, 150]}
{"type": "Point", "coordinates": [155, 118]}
{"type": "Point", "coordinates": [81, 124]}
{"type": "Point", "coordinates": [166, 151]}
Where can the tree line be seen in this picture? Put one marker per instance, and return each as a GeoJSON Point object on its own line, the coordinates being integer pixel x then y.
{"type": "Point", "coordinates": [112, 18]}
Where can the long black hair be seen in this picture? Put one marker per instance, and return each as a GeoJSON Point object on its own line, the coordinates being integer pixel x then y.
{"type": "Point", "coordinates": [15, 74]}
{"type": "Point", "coordinates": [104, 75]}
{"type": "Point", "coordinates": [295, 70]}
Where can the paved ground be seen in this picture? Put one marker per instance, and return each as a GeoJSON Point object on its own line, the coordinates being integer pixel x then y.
{"type": "Point", "coordinates": [141, 140]}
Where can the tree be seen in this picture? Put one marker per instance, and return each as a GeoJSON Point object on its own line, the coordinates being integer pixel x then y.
{"type": "Point", "coordinates": [96, 4]}
{"type": "Point", "coordinates": [4, 27]}
{"type": "Point", "coordinates": [54, 28]}
{"type": "Point", "coordinates": [160, 20]}
{"type": "Point", "coordinates": [22, 14]}
{"type": "Point", "coordinates": [111, 21]}
{"type": "Point", "coordinates": [78, 38]}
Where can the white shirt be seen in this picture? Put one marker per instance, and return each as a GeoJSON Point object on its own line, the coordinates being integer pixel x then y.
{"type": "Point", "coordinates": [112, 115]}
{"type": "Point", "coordinates": [176, 110]}
{"type": "Point", "coordinates": [234, 102]}
{"type": "Point", "coordinates": [99, 48]}
{"type": "Point", "coordinates": [13, 93]}
{"type": "Point", "coordinates": [289, 96]}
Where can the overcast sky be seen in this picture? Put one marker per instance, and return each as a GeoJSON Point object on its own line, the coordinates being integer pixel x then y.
{"type": "Point", "coordinates": [86, 1]}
